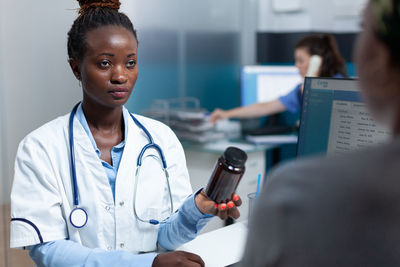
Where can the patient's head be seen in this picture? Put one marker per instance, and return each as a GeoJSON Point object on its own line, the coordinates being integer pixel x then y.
{"type": "Point", "coordinates": [377, 55]}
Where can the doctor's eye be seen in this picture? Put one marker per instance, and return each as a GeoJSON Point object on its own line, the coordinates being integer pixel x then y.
{"type": "Point", "coordinates": [104, 64]}
{"type": "Point", "coordinates": [131, 63]}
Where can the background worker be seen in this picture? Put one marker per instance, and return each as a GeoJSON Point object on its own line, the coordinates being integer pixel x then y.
{"type": "Point", "coordinates": [332, 65]}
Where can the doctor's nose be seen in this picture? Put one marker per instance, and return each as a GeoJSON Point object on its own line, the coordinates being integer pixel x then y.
{"type": "Point", "coordinates": [119, 75]}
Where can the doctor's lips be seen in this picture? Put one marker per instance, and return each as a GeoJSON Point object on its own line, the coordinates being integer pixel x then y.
{"type": "Point", "coordinates": [119, 92]}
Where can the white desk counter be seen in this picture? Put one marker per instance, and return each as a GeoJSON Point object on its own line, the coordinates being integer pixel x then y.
{"type": "Point", "coordinates": [220, 247]}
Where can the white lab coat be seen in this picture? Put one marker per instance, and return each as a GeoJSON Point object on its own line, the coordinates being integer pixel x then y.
{"type": "Point", "coordinates": [42, 189]}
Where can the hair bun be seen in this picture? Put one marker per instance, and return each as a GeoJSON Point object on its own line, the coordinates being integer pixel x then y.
{"type": "Point", "coordinates": [87, 4]}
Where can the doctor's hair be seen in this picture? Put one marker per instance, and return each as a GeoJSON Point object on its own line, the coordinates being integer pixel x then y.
{"type": "Point", "coordinates": [326, 47]}
{"type": "Point", "coordinates": [92, 15]}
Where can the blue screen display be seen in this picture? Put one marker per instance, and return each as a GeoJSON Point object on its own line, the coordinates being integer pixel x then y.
{"type": "Point", "coordinates": [319, 96]}
{"type": "Point", "coordinates": [267, 82]}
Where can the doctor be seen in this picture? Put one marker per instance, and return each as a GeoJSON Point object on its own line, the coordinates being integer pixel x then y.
{"type": "Point", "coordinates": [100, 186]}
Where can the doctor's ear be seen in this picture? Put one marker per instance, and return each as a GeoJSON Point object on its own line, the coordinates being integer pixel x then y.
{"type": "Point", "coordinates": [75, 67]}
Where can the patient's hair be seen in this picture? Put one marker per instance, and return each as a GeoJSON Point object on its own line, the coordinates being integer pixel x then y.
{"type": "Point", "coordinates": [387, 18]}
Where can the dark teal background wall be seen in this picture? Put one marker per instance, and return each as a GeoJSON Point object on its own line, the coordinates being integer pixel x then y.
{"type": "Point", "coordinates": [210, 69]}
{"type": "Point", "coordinates": [155, 81]}
{"type": "Point", "coordinates": [215, 85]}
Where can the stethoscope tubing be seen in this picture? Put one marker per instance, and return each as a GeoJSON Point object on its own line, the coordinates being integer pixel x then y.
{"type": "Point", "coordinates": [72, 155]}
{"type": "Point", "coordinates": [151, 144]}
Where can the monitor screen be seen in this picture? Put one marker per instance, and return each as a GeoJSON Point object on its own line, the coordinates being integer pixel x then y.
{"type": "Point", "coordinates": [334, 118]}
{"type": "Point", "coordinates": [266, 83]}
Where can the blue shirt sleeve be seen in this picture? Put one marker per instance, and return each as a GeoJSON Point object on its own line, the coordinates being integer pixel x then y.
{"type": "Point", "coordinates": [292, 101]}
{"type": "Point", "coordinates": [66, 253]}
{"type": "Point", "coordinates": [183, 225]}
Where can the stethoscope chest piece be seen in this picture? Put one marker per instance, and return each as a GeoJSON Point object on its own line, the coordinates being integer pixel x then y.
{"type": "Point", "coordinates": [78, 217]}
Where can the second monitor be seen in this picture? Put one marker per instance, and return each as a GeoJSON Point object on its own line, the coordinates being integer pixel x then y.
{"type": "Point", "coordinates": [266, 83]}
{"type": "Point", "coordinates": [263, 83]}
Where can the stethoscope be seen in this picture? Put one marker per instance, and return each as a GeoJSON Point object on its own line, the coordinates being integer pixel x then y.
{"type": "Point", "coordinates": [78, 216]}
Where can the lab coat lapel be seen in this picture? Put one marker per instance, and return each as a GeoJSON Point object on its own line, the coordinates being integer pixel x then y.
{"type": "Point", "coordinates": [142, 236]}
{"type": "Point", "coordinates": [127, 227]}
{"type": "Point", "coordinates": [90, 171]}
{"type": "Point", "coordinates": [134, 142]}
{"type": "Point", "coordinates": [150, 186]}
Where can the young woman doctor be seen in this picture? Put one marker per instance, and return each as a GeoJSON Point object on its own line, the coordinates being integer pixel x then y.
{"type": "Point", "coordinates": [100, 186]}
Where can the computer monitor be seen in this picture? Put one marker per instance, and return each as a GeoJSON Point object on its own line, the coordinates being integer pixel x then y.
{"type": "Point", "coordinates": [267, 82]}
{"type": "Point", "coordinates": [334, 118]}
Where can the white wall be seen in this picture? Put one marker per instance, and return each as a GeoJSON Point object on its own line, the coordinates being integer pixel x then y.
{"type": "Point", "coordinates": [249, 19]}
{"type": "Point", "coordinates": [36, 83]}
{"type": "Point", "coordinates": [187, 15]}
{"type": "Point", "coordinates": [310, 15]}
{"type": "Point", "coordinates": [3, 171]}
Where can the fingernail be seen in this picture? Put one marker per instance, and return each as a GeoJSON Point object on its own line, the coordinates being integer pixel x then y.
{"type": "Point", "coordinates": [235, 197]}
{"type": "Point", "coordinates": [230, 204]}
{"type": "Point", "coordinates": [216, 205]}
{"type": "Point", "coordinates": [222, 206]}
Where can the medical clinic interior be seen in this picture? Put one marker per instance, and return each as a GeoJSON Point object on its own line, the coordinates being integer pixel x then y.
{"type": "Point", "coordinates": [246, 86]}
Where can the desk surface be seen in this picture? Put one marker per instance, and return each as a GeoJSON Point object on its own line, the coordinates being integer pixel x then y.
{"type": "Point", "coordinates": [221, 247]}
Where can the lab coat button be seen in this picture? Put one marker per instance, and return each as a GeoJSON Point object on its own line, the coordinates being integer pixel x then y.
{"type": "Point", "coordinates": [109, 248]}
{"type": "Point", "coordinates": [107, 208]}
{"type": "Point", "coordinates": [121, 245]}
{"type": "Point", "coordinates": [121, 203]}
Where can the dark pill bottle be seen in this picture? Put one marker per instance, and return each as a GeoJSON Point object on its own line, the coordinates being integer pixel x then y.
{"type": "Point", "coordinates": [226, 176]}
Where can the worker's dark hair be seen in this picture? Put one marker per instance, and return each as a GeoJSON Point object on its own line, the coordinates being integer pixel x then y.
{"type": "Point", "coordinates": [325, 46]}
{"type": "Point", "coordinates": [92, 15]}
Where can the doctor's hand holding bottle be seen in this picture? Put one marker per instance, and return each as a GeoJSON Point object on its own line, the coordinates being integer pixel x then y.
{"type": "Point", "coordinates": [332, 65]}
{"type": "Point", "coordinates": [222, 210]}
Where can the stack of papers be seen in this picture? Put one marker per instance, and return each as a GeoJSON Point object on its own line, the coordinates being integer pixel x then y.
{"type": "Point", "coordinates": [221, 145]}
{"type": "Point", "coordinates": [272, 139]}
{"type": "Point", "coordinates": [201, 137]}
{"type": "Point", "coordinates": [190, 122]}
{"type": "Point", "coordinates": [199, 114]}
{"type": "Point", "coordinates": [194, 126]}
